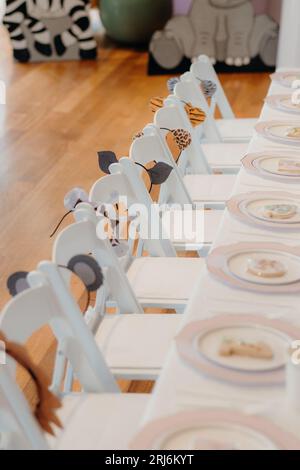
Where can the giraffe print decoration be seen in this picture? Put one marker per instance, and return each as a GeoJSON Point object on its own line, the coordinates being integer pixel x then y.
{"type": "Point", "coordinates": [45, 30]}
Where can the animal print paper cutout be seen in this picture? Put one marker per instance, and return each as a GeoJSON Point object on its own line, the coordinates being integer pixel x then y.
{"type": "Point", "coordinates": [195, 115]}
{"type": "Point", "coordinates": [44, 30]}
{"type": "Point", "coordinates": [48, 403]}
{"type": "Point", "coordinates": [177, 140]}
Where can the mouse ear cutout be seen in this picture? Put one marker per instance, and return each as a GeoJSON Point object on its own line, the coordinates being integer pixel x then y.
{"type": "Point", "coordinates": [195, 115]}
{"type": "Point", "coordinates": [88, 270]}
{"type": "Point", "coordinates": [171, 83]}
{"type": "Point", "coordinates": [105, 159]}
{"type": "Point", "coordinates": [17, 282]}
{"type": "Point", "coordinates": [159, 173]}
{"type": "Point", "coordinates": [156, 103]}
{"type": "Point", "coordinates": [208, 87]}
{"type": "Point", "coordinates": [73, 197]}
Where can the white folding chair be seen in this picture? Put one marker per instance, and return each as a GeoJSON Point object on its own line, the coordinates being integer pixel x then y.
{"type": "Point", "coordinates": [103, 419]}
{"type": "Point", "coordinates": [217, 157]}
{"type": "Point", "coordinates": [216, 130]}
{"type": "Point", "coordinates": [134, 344]}
{"type": "Point", "coordinates": [160, 280]}
{"type": "Point", "coordinates": [211, 191]}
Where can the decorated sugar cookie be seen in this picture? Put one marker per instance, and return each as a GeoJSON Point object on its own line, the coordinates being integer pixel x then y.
{"type": "Point", "coordinates": [279, 211]}
{"type": "Point", "coordinates": [289, 166]}
{"type": "Point", "coordinates": [294, 132]}
{"type": "Point", "coordinates": [257, 350]}
{"type": "Point", "coordinates": [266, 268]}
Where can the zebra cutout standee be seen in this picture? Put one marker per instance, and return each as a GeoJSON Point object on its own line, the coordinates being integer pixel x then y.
{"type": "Point", "coordinates": [50, 30]}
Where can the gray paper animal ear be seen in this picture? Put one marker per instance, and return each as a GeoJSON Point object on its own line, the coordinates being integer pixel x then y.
{"type": "Point", "coordinates": [73, 197]}
{"type": "Point", "coordinates": [105, 159]}
{"type": "Point", "coordinates": [17, 282]}
{"type": "Point", "coordinates": [171, 83]}
{"type": "Point", "coordinates": [209, 88]}
{"type": "Point", "coordinates": [159, 173]}
{"type": "Point", "coordinates": [88, 270]}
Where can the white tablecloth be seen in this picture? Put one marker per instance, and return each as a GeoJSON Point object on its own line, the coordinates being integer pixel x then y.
{"type": "Point", "coordinates": [180, 386]}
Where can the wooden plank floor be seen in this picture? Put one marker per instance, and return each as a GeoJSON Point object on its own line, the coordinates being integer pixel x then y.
{"type": "Point", "coordinates": [56, 118]}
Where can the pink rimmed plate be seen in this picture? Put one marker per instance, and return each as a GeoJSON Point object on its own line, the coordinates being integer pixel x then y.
{"type": "Point", "coordinates": [283, 103]}
{"type": "Point", "coordinates": [213, 429]}
{"type": "Point", "coordinates": [286, 78]}
{"type": "Point", "coordinates": [250, 208]}
{"type": "Point", "coordinates": [230, 265]}
{"type": "Point", "coordinates": [278, 131]}
{"type": "Point", "coordinates": [267, 164]}
{"type": "Point", "coordinates": [199, 344]}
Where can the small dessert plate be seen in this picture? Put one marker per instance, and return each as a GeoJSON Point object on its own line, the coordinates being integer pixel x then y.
{"type": "Point", "coordinates": [286, 78]}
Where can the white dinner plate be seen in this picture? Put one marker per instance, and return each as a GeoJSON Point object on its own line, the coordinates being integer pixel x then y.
{"type": "Point", "coordinates": [286, 78]}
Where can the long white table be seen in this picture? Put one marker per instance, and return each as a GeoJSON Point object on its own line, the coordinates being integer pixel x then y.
{"type": "Point", "coordinates": [180, 386]}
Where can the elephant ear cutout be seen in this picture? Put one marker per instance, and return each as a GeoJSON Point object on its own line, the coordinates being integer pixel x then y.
{"type": "Point", "coordinates": [105, 159]}
{"type": "Point", "coordinates": [159, 173]}
{"type": "Point", "coordinates": [88, 270]}
{"type": "Point", "coordinates": [17, 283]}
{"type": "Point", "coordinates": [196, 115]}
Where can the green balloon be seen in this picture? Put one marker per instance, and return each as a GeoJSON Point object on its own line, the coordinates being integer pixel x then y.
{"type": "Point", "coordinates": [134, 21]}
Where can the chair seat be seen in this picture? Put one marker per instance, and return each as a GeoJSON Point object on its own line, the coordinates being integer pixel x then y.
{"type": "Point", "coordinates": [164, 282]}
{"type": "Point", "coordinates": [136, 345]}
{"type": "Point", "coordinates": [220, 155]}
{"type": "Point", "coordinates": [209, 222]}
{"type": "Point", "coordinates": [99, 421]}
{"type": "Point", "coordinates": [236, 129]}
{"type": "Point", "coordinates": [210, 188]}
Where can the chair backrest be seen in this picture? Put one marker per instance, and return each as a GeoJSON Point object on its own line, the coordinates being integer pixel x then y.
{"type": "Point", "coordinates": [188, 89]}
{"type": "Point", "coordinates": [19, 430]}
{"type": "Point", "coordinates": [125, 180]}
{"type": "Point", "coordinates": [173, 116]}
{"type": "Point", "coordinates": [81, 237]}
{"type": "Point", "coordinates": [151, 146]}
{"type": "Point", "coordinates": [48, 302]}
{"type": "Point", "coordinates": [204, 69]}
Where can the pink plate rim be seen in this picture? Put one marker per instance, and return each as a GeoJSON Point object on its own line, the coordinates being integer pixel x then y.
{"type": "Point", "coordinates": [216, 259]}
{"type": "Point", "coordinates": [249, 160]}
{"type": "Point", "coordinates": [262, 126]}
{"type": "Point", "coordinates": [145, 439]}
{"type": "Point", "coordinates": [233, 206]}
{"type": "Point", "coordinates": [185, 347]}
